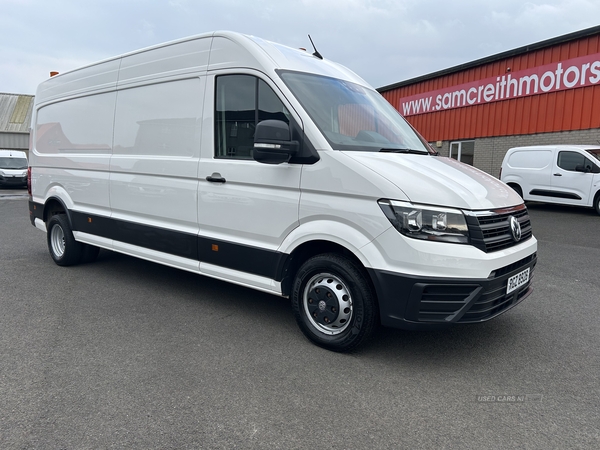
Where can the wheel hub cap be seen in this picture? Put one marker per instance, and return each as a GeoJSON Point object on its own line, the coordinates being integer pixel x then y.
{"type": "Point", "coordinates": [57, 239]}
{"type": "Point", "coordinates": [328, 304]}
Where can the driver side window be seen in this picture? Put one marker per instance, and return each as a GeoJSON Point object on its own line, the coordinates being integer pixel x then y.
{"type": "Point", "coordinates": [241, 102]}
{"type": "Point", "coordinates": [570, 160]}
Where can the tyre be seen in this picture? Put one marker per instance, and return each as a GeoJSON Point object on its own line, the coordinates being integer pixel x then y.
{"type": "Point", "coordinates": [63, 247]}
{"type": "Point", "coordinates": [334, 303]}
{"type": "Point", "coordinates": [597, 202]}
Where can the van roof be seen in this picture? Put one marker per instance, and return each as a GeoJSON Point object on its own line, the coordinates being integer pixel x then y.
{"type": "Point", "coordinates": [561, 146]}
{"type": "Point", "coordinates": [188, 57]}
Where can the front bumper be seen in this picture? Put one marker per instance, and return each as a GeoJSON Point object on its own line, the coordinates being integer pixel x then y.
{"type": "Point", "coordinates": [412, 302]}
{"type": "Point", "coordinates": [13, 181]}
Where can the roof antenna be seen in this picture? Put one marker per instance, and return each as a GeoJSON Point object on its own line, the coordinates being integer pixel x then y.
{"type": "Point", "coordinates": [316, 53]}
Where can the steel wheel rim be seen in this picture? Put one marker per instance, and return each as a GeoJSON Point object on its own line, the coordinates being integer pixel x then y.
{"type": "Point", "coordinates": [327, 303]}
{"type": "Point", "coordinates": [57, 240]}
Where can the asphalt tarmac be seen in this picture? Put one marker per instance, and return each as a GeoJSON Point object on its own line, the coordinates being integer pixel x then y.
{"type": "Point", "coordinates": [124, 353]}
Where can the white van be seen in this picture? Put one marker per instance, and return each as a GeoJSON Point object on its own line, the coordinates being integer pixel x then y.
{"type": "Point", "coordinates": [251, 162]}
{"type": "Point", "coordinates": [13, 168]}
{"type": "Point", "coordinates": [564, 174]}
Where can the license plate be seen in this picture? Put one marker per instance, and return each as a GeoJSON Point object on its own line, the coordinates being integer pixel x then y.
{"type": "Point", "coordinates": [518, 280]}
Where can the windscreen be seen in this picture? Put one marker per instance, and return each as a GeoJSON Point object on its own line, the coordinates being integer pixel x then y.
{"type": "Point", "coordinates": [595, 153]}
{"type": "Point", "coordinates": [13, 163]}
{"type": "Point", "coordinates": [352, 117]}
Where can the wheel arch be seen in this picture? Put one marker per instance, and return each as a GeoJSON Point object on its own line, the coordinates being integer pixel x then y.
{"type": "Point", "coordinates": [324, 236]}
{"type": "Point", "coordinates": [596, 203]}
{"type": "Point", "coordinates": [55, 205]}
{"type": "Point", "coordinates": [309, 249]}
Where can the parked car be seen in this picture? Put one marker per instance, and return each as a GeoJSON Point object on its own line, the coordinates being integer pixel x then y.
{"type": "Point", "coordinates": [270, 167]}
{"type": "Point", "coordinates": [563, 174]}
{"type": "Point", "coordinates": [13, 168]}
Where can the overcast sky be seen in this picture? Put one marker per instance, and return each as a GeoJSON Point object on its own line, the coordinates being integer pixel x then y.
{"type": "Point", "coordinates": [384, 41]}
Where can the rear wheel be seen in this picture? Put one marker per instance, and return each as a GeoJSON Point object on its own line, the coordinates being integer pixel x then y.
{"type": "Point", "coordinates": [597, 202]}
{"type": "Point", "coordinates": [333, 302]}
{"type": "Point", "coordinates": [63, 247]}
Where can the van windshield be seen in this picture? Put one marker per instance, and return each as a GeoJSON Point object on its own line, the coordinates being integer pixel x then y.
{"type": "Point", "coordinates": [13, 163]}
{"type": "Point", "coordinates": [353, 117]}
{"type": "Point", "coordinates": [594, 153]}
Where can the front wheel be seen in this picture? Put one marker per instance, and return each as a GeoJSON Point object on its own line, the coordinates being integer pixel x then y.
{"type": "Point", "coordinates": [63, 247]}
{"type": "Point", "coordinates": [597, 202]}
{"type": "Point", "coordinates": [333, 302]}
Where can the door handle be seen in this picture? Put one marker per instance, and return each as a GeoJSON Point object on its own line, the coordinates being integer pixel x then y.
{"type": "Point", "coordinates": [558, 174]}
{"type": "Point", "coordinates": [215, 178]}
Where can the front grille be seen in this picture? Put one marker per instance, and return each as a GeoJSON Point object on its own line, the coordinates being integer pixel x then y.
{"type": "Point", "coordinates": [440, 302]}
{"type": "Point", "coordinates": [13, 180]}
{"type": "Point", "coordinates": [467, 303]}
{"type": "Point", "coordinates": [514, 266]}
{"type": "Point", "coordinates": [493, 303]}
{"type": "Point", "coordinates": [490, 230]}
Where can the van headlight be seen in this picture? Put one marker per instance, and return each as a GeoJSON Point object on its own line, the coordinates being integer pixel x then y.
{"type": "Point", "coordinates": [431, 223]}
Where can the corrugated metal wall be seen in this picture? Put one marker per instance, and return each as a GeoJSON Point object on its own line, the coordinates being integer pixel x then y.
{"type": "Point", "coordinates": [15, 112]}
{"type": "Point", "coordinates": [574, 109]}
{"type": "Point", "coordinates": [15, 120]}
{"type": "Point", "coordinates": [14, 141]}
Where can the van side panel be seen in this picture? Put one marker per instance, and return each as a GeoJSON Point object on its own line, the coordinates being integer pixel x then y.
{"type": "Point", "coordinates": [530, 169]}
{"type": "Point", "coordinates": [527, 159]}
{"type": "Point", "coordinates": [72, 150]}
{"type": "Point", "coordinates": [154, 169]}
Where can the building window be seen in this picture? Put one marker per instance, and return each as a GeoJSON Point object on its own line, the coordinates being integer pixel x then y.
{"type": "Point", "coordinates": [463, 151]}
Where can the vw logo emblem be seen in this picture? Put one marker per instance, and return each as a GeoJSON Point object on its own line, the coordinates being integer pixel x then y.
{"type": "Point", "coordinates": [322, 306]}
{"type": "Point", "coordinates": [515, 228]}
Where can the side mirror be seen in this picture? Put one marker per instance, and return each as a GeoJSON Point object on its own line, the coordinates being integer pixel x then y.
{"type": "Point", "coordinates": [584, 169]}
{"type": "Point", "coordinates": [272, 142]}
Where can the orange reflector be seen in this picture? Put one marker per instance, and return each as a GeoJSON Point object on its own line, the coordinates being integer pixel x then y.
{"type": "Point", "coordinates": [89, 220]}
{"type": "Point", "coordinates": [215, 248]}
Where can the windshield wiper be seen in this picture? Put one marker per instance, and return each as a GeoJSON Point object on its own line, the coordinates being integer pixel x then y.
{"type": "Point", "coordinates": [404, 150]}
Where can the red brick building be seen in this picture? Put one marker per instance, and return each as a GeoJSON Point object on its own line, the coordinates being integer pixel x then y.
{"type": "Point", "coordinates": [543, 93]}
